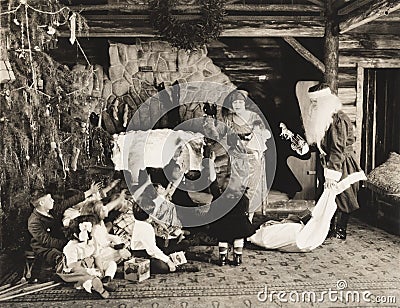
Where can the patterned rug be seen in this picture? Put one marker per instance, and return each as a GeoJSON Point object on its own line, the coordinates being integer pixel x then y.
{"type": "Point", "coordinates": [368, 261]}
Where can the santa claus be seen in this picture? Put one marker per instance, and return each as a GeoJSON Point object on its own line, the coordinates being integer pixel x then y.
{"type": "Point", "coordinates": [331, 130]}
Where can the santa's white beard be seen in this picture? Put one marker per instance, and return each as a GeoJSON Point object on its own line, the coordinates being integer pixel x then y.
{"type": "Point", "coordinates": [319, 118]}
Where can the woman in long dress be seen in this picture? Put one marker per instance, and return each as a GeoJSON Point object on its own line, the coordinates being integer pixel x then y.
{"type": "Point", "coordinates": [247, 135]}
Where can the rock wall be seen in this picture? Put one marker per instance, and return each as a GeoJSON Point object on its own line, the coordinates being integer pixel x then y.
{"type": "Point", "coordinates": [135, 72]}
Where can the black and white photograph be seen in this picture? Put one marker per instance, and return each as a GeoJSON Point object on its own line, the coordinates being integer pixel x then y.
{"type": "Point", "coordinates": [199, 153]}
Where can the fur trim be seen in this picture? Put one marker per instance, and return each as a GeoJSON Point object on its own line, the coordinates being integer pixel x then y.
{"type": "Point", "coordinates": [332, 174]}
{"type": "Point", "coordinates": [320, 93]}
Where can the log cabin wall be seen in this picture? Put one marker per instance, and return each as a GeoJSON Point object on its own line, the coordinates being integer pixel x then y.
{"type": "Point", "coordinates": [375, 44]}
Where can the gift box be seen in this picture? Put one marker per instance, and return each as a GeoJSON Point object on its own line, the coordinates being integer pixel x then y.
{"type": "Point", "coordinates": [178, 258]}
{"type": "Point", "coordinates": [137, 269]}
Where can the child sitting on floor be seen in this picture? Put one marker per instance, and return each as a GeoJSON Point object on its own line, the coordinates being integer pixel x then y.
{"type": "Point", "coordinates": [143, 243]}
{"type": "Point", "coordinates": [79, 265]}
{"type": "Point", "coordinates": [109, 248]}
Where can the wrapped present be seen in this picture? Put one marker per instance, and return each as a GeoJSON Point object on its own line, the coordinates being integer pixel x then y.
{"type": "Point", "coordinates": [137, 269]}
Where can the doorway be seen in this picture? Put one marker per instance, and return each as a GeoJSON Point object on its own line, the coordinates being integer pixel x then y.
{"type": "Point", "coordinates": [381, 109]}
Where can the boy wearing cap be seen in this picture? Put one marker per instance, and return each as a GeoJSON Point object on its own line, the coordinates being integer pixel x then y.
{"type": "Point", "coordinates": [45, 225]}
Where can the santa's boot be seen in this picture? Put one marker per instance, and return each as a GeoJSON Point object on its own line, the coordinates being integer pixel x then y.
{"type": "Point", "coordinates": [341, 226]}
{"type": "Point", "coordinates": [332, 227]}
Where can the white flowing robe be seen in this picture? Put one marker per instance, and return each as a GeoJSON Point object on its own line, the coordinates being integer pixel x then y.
{"type": "Point", "coordinates": [296, 237]}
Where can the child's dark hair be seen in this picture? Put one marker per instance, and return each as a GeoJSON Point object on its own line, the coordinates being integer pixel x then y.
{"type": "Point", "coordinates": [72, 231]}
{"type": "Point", "coordinates": [92, 208]}
{"type": "Point", "coordinates": [139, 213]}
{"type": "Point", "coordinates": [257, 123]}
{"type": "Point", "coordinates": [36, 196]}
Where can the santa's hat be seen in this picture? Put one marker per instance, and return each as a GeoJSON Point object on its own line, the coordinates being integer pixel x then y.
{"type": "Point", "coordinates": [319, 90]}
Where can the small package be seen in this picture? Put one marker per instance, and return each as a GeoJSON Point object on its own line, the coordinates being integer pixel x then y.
{"type": "Point", "coordinates": [178, 258]}
{"type": "Point", "coordinates": [137, 269]}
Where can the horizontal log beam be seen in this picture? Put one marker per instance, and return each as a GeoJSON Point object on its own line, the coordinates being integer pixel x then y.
{"type": "Point", "coordinates": [378, 27]}
{"type": "Point", "coordinates": [369, 41]}
{"type": "Point", "coordinates": [241, 44]}
{"type": "Point", "coordinates": [348, 96]}
{"type": "Point", "coordinates": [241, 66]}
{"type": "Point", "coordinates": [317, 2]}
{"type": "Point", "coordinates": [347, 77]}
{"type": "Point", "coordinates": [238, 77]}
{"type": "Point", "coordinates": [193, 8]}
{"type": "Point", "coordinates": [302, 51]}
{"type": "Point", "coordinates": [274, 29]}
{"type": "Point", "coordinates": [352, 6]}
{"type": "Point", "coordinates": [306, 28]}
{"type": "Point", "coordinates": [351, 59]}
{"type": "Point", "coordinates": [117, 18]}
{"type": "Point", "coordinates": [375, 10]}
{"type": "Point", "coordinates": [347, 80]}
{"type": "Point", "coordinates": [245, 53]}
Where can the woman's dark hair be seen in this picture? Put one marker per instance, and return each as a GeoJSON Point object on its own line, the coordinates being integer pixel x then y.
{"type": "Point", "coordinates": [234, 95]}
{"type": "Point", "coordinates": [73, 230]}
{"type": "Point", "coordinates": [210, 109]}
{"type": "Point", "coordinates": [257, 123]}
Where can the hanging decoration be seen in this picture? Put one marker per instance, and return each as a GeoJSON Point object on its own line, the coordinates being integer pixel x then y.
{"type": "Point", "coordinates": [42, 142]}
{"type": "Point", "coordinates": [34, 29]}
{"type": "Point", "coordinates": [38, 24]}
{"type": "Point", "coordinates": [187, 35]}
{"type": "Point", "coordinates": [72, 21]}
{"type": "Point", "coordinates": [6, 72]}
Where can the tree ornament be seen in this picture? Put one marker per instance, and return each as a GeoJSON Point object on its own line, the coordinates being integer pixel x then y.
{"type": "Point", "coordinates": [51, 30]}
{"type": "Point", "coordinates": [74, 159]}
{"type": "Point", "coordinates": [188, 35]}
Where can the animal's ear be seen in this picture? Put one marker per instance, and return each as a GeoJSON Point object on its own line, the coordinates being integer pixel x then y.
{"type": "Point", "coordinates": [160, 87]}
